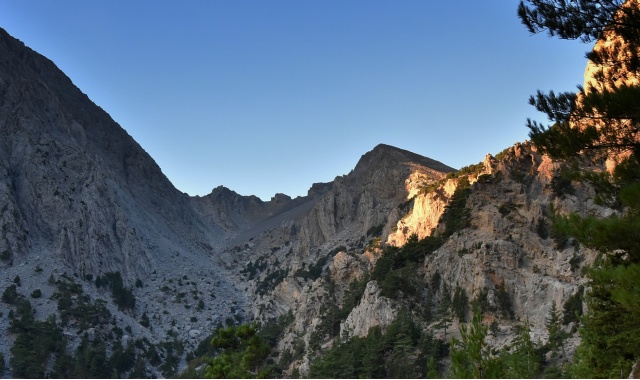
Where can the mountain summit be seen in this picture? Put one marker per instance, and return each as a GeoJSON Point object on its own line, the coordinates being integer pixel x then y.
{"type": "Point", "coordinates": [108, 270]}
{"type": "Point", "coordinates": [82, 203]}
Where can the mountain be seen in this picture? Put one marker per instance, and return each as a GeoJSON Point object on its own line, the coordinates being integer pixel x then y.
{"type": "Point", "coordinates": [81, 199]}
{"type": "Point", "coordinates": [129, 277]}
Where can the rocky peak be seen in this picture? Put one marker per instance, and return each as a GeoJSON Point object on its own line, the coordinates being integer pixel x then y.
{"type": "Point", "coordinates": [384, 157]}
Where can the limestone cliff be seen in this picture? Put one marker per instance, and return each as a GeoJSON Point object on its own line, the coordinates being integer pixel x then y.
{"type": "Point", "coordinates": [80, 200]}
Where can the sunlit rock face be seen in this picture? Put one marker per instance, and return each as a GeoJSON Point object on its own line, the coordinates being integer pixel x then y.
{"type": "Point", "coordinates": [613, 43]}
{"type": "Point", "coordinates": [607, 76]}
{"type": "Point", "coordinates": [79, 197]}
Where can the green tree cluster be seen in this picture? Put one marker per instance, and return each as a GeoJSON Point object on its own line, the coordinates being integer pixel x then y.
{"type": "Point", "coordinates": [121, 294]}
{"type": "Point", "coordinates": [605, 118]}
{"type": "Point", "coordinates": [403, 351]}
{"type": "Point", "coordinates": [242, 353]}
{"type": "Point", "coordinates": [473, 357]}
{"type": "Point", "coordinates": [605, 115]}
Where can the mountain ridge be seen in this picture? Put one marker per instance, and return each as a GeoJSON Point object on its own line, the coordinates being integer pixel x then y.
{"type": "Point", "coordinates": [90, 222]}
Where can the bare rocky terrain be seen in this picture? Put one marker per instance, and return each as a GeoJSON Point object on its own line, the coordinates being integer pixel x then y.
{"type": "Point", "coordinates": [81, 201]}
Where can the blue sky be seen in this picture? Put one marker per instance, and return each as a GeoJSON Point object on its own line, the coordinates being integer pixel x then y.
{"type": "Point", "coordinates": [269, 97]}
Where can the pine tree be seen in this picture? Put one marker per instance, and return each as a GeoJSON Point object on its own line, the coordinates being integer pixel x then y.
{"type": "Point", "coordinates": [522, 362]}
{"type": "Point", "coordinates": [554, 329]}
{"type": "Point", "coordinates": [604, 116]}
{"type": "Point", "coordinates": [470, 355]}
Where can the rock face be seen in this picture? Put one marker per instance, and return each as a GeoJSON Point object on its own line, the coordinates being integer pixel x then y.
{"type": "Point", "coordinates": [81, 200]}
{"type": "Point", "coordinates": [373, 310]}
{"type": "Point", "coordinates": [77, 184]}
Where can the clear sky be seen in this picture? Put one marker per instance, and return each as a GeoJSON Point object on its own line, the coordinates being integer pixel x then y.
{"type": "Point", "coordinates": [269, 97]}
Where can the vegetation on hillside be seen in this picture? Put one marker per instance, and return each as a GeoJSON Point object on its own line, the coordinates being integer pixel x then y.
{"type": "Point", "coordinates": [602, 118]}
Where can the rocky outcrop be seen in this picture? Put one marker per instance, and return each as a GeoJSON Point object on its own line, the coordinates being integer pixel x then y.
{"type": "Point", "coordinates": [373, 310]}
{"type": "Point", "coordinates": [80, 198]}
{"type": "Point", "coordinates": [75, 182]}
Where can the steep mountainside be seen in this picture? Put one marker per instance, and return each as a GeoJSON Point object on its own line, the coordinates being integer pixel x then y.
{"type": "Point", "coordinates": [136, 274]}
{"type": "Point", "coordinates": [88, 216]}
{"type": "Point", "coordinates": [493, 250]}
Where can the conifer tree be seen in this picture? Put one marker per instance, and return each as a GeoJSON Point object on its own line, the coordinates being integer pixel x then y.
{"type": "Point", "coordinates": [522, 362]}
{"type": "Point", "coordinates": [605, 115]}
{"type": "Point", "coordinates": [470, 356]}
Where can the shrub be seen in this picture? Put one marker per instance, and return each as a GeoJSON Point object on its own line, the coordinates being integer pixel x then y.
{"type": "Point", "coordinates": [122, 296]}
{"type": "Point", "coordinates": [561, 185]}
{"type": "Point", "coordinates": [573, 307]}
{"type": "Point", "coordinates": [456, 215]}
{"type": "Point", "coordinates": [541, 229]}
{"type": "Point", "coordinates": [506, 208]}
{"type": "Point", "coordinates": [10, 294]}
{"type": "Point", "coordinates": [504, 302]}
{"type": "Point", "coordinates": [5, 255]}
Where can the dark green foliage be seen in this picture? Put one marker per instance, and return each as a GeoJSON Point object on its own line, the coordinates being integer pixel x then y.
{"type": "Point", "coordinates": [504, 302]}
{"type": "Point", "coordinates": [522, 359]}
{"type": "Point", "coordinates": [434, 283]}
{"type": "Point", "coordinates": [333, 315]}
{"type": "Point", "coordinates": [559, 236]}
{"type": "Point", "coordinates": [610, 329]}
{"type": "Point", "coordinates": [561, 185]}
{"type": "Point", "coordinates": [10, 294]}
{"type": "Point", "coordinates": [396, 269]}
{"type": "Point", "coordinates": [122, 296]}
{"type": "Point", "coordinates": [74, 305]}
{"type": "Point", "coordinates": [607, 113]}
{"type": "Point", "coordinates": [5, 255]}
{"type": "Point", "coordinates": [37, 293]}
{"type": "Point", "coordinates": [40, 349]}
{"type": "Point", "coordinates": [608, 117]}
{"type": "Point", "coordinates": [254, 269]}
{"type": "Point", "coordinates": [242, 353]}
{"type": "Point", "coordinates": [460, 303]}
{"type": "Point", "coordinates": [315, 270]}
{"type": "Point", "coordinates": [173, 351]}
{"type": "Point", "coordinates": [91, 359]}
{"type": "Point", "coordinates": [404, 351]}
{"type": "Point", "coordinates": [35, 342]}
{"type": "Point", "coordinates": [139, 370]}
{"type": "Point", "coordinates": [271, 280]}
{"type": "Point", "coordinates": [16, 280]}
{"type": "Point", "coordinates": [542, 229]}
{"type": "Point", "coordinates": [456, 215]}
{"type": "Point", "coordinates": [507, 207]}
{"type": "Point", "coordinates": [144, 320]}
{"type": "Point", "coordinates": [375, 230]}
{"type": "Point", "coordinates": [122, 360]}
{"type": "Point", "coordinates": [480, 304]}
{"type": "Point", "coordinates": [557, 337]}
{"type": "Point", "coordinates": [467, 170]}
{"type": "Point", "coordinates": [472, 357]}
{"type": "Point", "coordinates": [575, 262]}
{"type": "Point", "coordinates": [444, 312]}
{"type": "Point", "coordinates": [271, 332]}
